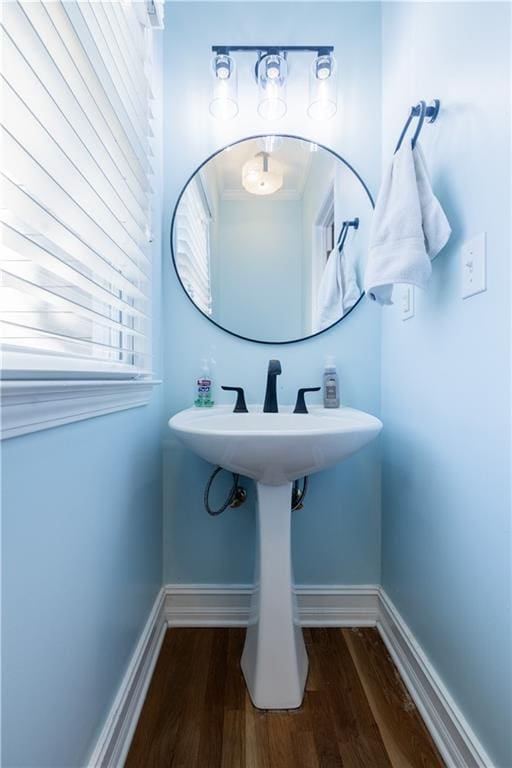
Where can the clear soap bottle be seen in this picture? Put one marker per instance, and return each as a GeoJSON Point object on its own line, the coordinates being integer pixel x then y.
{"type": "Point", "coordinates": [204, 387]}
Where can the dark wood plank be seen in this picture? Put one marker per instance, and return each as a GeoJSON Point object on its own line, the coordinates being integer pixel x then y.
{"type": "Point", "coordinates": [257, 749]}
{"type": "Point", "coordinates": [186, 749]}
{"type": "Point", "coordinates": [326, 743]}
{"type": "Point", "coordinates": [155, 736]}
{"type": "Point", "coordinates": [212, 716]}
{"type": "Point", "coordinates": [233, 739]}
{"type": "Point", "coordinates": [313, 683]}
{"type": "Point", "coordinates": [359, 739]}
{"type": "Point", "coordinates": [356, 712]}
{"type": "Point", "coordinates": [407, 741]}
{"type": "Point", "coordinates": [279, 729]}
{"type": "Point", "coordinates": [234, 696]}
{"type": "Point", "coordinates": [304, 750]}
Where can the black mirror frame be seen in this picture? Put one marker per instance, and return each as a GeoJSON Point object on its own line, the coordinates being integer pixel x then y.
{"type": "Point", "coordinates": [210, 157]}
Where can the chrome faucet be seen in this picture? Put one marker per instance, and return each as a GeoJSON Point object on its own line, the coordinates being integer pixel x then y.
{"type": "Point", "coordinates": [274, 370]}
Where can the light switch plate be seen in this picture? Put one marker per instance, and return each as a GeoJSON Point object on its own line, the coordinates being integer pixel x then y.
{"type": "Point", "coordinates": [407, 302]}
{"type": "Point", "coordinates": [474, 266]}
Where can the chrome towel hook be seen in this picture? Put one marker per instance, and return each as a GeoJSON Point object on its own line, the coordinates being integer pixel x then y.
{"type": "Point", "coordinates": [421, 111]}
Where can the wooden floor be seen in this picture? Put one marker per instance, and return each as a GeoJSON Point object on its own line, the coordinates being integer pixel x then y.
{"type": "Point", "coordinates": [356, 711]}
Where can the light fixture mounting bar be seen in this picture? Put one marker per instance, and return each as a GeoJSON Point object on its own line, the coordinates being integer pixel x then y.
{"type": "Point", "coordinates": [321, 50]}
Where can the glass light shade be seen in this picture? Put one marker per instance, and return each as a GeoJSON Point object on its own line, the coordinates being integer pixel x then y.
{"type": "Point", "coordinates": [272, 73]}
{"type": "Point", "coordinates": [262, 174]}
{"type": "Point", "coordinates": [323, 88]}
{"type": "Point", "coordinates": [224, 102]}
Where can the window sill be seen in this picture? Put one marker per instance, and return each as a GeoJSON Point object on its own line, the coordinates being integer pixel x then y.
{"type": "Point", "coordinates": [30, 406]}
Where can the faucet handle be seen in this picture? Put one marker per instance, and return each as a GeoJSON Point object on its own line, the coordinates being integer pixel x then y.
{"type": "Point", "coordinates": [240, 406]}
{"type": "Point", "coordinates": [300, 405]}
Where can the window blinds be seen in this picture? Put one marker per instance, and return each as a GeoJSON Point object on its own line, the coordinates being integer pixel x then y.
{"type": "Point", "coordinates": [75, 290]}
{"type": "Point", "coordinates": [192, 245]}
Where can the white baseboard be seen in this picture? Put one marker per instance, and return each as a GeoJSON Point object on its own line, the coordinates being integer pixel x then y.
{"type": "Point", "coordinates": [115, 738]}
{"type": "Point", "coordinates": [449, 729]}
{"type": "Point", "coordinates": [215, 605]}
{"type": "Point", "coordinates": [199, 605]}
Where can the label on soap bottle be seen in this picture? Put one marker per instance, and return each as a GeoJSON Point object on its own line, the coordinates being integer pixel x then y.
{"type": "Point", "coordinates": [330, 390]}
{"type": "Point", "coordinates": [204, 393]}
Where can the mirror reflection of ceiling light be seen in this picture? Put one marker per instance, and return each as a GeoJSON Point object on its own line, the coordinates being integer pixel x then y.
{"type": "Point", "coordinates": [262, 174]}
{"type": "Point", "coordinates": [271, 72]}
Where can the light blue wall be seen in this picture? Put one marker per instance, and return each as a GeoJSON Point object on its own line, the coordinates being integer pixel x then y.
{"type": "Point", "coordinates": [258, 240]}
{"type": "Point", "coordinates": [446, 372]}
{"type": "Point", "coordinates": [81, 567]}
{"type": "Point", "coordinates": [336, 536]}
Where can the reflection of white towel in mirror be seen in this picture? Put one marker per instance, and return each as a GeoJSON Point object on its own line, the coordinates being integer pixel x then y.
{"type": "Point", "coordinates": [338, 290]}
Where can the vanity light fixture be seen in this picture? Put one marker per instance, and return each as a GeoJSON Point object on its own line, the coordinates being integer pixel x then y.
{"type": "Point", "coordinates": [322, 87]}
{"type": "Point", "coordinates": [262, 174]}
{"type": "Point", "coordinates": [224, 103]}
{"type": "Point", "coordinates": [271, 73]}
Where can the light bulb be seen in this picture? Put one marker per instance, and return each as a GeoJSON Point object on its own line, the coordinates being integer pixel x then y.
{"type": "Point", "coordinates": [224, 103]}
{"type": "Point", "coordinates": [323, 65]}
{"type": "Point", "coordinates": [272, 71]}
{"type": "Point", "coordinates": [222, 66]}
{"type": "Point", "coordinates": [322, 88]}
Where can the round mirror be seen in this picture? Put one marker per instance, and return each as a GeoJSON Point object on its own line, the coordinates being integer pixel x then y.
{"type": "Point", "coordinates": [269, 238]}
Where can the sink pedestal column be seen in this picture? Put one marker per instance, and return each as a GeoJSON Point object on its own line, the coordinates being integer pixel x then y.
{"type": "Point", "coordinates": [274, 660]}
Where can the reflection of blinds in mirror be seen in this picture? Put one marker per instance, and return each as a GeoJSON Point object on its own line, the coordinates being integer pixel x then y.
{"type": "Point", "coordinates": [193, 245]}
{"type": "Point", "coordinates": [76, 268]}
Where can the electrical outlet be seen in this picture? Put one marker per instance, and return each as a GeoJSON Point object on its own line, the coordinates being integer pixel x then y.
{"type": "Point", "coordinates": [407, 302]}
{"type": "Point", "coordinates": [474, 262]}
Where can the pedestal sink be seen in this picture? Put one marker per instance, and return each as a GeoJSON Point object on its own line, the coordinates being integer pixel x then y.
{"type": "Point", "coordinates": [274, 449]}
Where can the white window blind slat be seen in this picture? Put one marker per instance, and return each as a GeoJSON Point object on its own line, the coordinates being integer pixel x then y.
{"type": "Point", "coordinates": [50, 293]}
{"type": "Point", "coordinates": [127, 39]}
{"type": "Point", "coordinates": [135, 76]}
{"type": "Point", "coordinates": [189, 255]}
{"type": "Point", "coordinates": [62, 67]}
{"type": "Point", "coordinates": [45, 109]}
{"type": "Point", "coordinates": [24, 361]}
{"type": "Point", "coordinates": [41, 186]}
{"type": "Point", "coordinates": [50, 23]}
{"type": "Point", "coordinates": [41, 145]}
{"type": "Point", "coordinates": [40, 224]}
{"type": "Point", "coordinates": [129, 93]}
{"type": "Point", "coordinates": [47, 256]}
{"type": "Point", "coordinates": [114, 91]}
{"type": "Point", "coordinates": [192, 245]}
{"type": "Point", "coordinates": [75, 267]}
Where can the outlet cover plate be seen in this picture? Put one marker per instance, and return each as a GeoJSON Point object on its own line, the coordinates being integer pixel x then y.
{"type": "Point", "coordinates": [407, 302]}
{"type": "Point", "coordinates": [474, 266]}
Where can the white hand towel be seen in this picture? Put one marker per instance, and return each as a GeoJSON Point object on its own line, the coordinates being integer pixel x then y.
{"type": "Point", "coordinates": [338, 290]}
{"type": "Point", "coordinates": [409, 227]}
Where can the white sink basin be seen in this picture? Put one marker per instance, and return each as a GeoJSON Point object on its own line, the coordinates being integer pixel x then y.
{"type": "Point", "coordinates": [274, 448]}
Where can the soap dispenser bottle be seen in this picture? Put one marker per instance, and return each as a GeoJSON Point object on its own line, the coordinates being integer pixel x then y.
{"type": "Point", "coordinates": [331, 384]}
{"type": "Point", "coordinates": [204, 395]}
